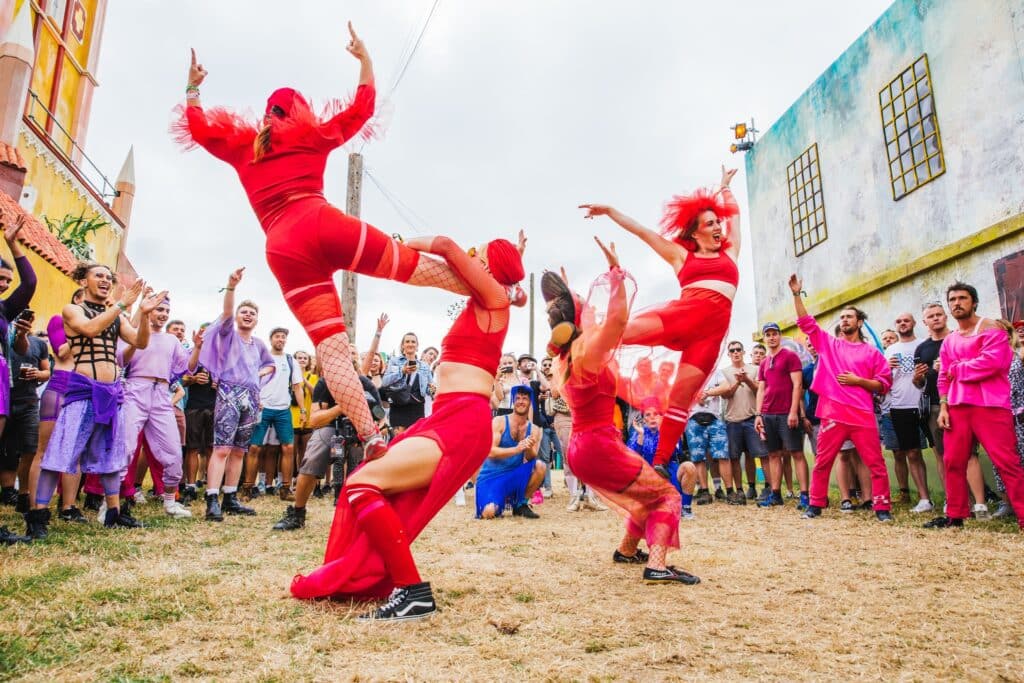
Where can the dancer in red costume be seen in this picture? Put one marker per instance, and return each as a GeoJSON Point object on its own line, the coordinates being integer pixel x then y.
{"type": "Point", "coordinates": [386, 503]}
{"type": "Point", "coordinates": [588, 372]}
{"type": "Point", "coordinates": [281, 166]}
{"type": "Point", "coordinates": [703, 254]}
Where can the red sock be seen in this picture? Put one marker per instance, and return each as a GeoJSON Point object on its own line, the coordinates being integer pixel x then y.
{"type": "Point", "coordinates": [384, 529]}
{"type": "Point", "coordinates": [672, 427]}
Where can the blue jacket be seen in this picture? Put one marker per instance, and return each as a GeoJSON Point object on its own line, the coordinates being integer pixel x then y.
{"type": "Point", "coordinates": [393, 375]}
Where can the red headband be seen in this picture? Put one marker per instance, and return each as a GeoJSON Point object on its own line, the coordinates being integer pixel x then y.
{"type": "Point", "coordinates": [682, 211]}
{"type": "Point", "coordinates": [505, 262]}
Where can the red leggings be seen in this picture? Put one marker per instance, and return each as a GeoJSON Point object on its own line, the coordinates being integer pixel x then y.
{"type": "Point", "coordinates": [309, 242]}
{"type": "Point", "coordinates": [695, 324]}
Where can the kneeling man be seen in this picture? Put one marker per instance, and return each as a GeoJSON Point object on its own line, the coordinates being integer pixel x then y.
{"type": "Point", "coordinates": [511, 472]}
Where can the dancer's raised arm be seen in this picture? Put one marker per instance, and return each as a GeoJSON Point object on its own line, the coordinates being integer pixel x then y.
{"type": "Point", "coordinates": [733, 222]}
{"type": "Point", "coordinates": [609, 333]}
{"type": "Point", "coordinates": [666, 249]}
{"type": "Point", "coordinates": [347, 123]}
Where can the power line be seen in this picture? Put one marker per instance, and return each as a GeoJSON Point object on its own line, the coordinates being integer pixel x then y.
{"type": "Point", "coordinates": [403, 210]}
{"type": "Point", "coordinates": [415, 46]}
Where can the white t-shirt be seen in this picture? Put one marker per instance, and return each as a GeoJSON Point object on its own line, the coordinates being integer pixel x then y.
{"type": "Point", "coordinates": [904, 394]}
{"type": "Point", "coordinates": [712, 404]}
{"type": "Point", "coordinates": [277, 393]}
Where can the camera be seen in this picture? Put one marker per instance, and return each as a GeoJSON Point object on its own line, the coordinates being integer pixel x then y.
{"type": "Point", "coordinates": [345, 437]}
{"type": "Point", "coordinates": [506, 369]}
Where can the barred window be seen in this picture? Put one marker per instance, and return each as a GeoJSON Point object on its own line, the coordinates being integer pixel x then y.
{"type": "Point", "coordinates": [911, 130]}
{"type": "Point", "coordinates": [806, 202]}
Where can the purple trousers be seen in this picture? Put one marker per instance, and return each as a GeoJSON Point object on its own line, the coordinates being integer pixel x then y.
{"type": "Point", "coordinates": [148, 412]}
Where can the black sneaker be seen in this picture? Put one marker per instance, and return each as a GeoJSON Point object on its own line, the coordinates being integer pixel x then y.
{"type": "Point", "coordinates": [525, 510]}
{"type": "Point", "coordinates": [639, 557]}
{"type": "Point", "coordinates": [663, 471]}
{"type": "Point", "coordinates": [294, 518]}
{"type": "Point", "coordinates": [811, 512]}
{"type": "Point", "coordinates": [120, 519]}
{"type": "Point", "coordinates": [189, 494]}
{"type": "Point", "coordinates": [883, 516]}
{"type": "Point", "coordinates": [866, 505]}
{"type": "Point", "coordinates": [36, 523]}
{"type": "Point", "coordinates": [405, 604]}
{"type": "Point", "coordinates": [231, 506]}
{"type": "Point", "coordinates": [846, 506]}
{"type": "Point", "coordinates": [8, 496]}
{"type": "Point", "coordinates": [22, 506]}
{"type": "Point", "coordinates": [736, 498]}
{"type": "Point", "coordinates": [8, 537]}
{"type": "Point", "coordinates": [73, 514]}
{"type": "Point", "coordinates": [669, 575]}
{"type": "Point", "coordinates": [943, 523]}
{"type": "Point", "coordinates": [213, 511]}
{"type": "Point", "coordinates": [766, 494]}
{"type": "Point", "coordinates": [703, 497]}
{"type": "Point", "coordinates": [751, 492]}
{"type": "Point", "coordinates": [719, 494]}
{"type": "Point", "coordinates": [318, 492]}
{"type": "Point", "coordinates": [93, 501]}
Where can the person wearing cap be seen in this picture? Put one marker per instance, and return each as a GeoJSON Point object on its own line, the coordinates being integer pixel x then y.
{"type": "Point", "coordinates": [777, 415]}
{"type": "Point", "coordinates": [530, 376]}
{"type": "Point", "coordinates": [511, 473]}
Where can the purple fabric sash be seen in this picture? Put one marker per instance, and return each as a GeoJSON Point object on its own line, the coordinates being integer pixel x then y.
{"type": "Point", "coordinates": [105, 397]}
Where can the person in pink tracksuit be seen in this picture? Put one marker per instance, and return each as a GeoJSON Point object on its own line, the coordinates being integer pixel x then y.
{"type": "Point", "coordinates": [850, 372]}
{"type": "Point", "coordinates": [974, 403]}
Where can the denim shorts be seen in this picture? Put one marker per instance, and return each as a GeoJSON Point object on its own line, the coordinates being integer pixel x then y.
{"type": "Point", "coordinates": [743, 438]}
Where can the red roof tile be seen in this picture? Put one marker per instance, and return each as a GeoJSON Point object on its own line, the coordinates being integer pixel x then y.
{"type": "Point", "coordinates": [37, 237]}
{"type": "Point", "coordinates": [10, 156]}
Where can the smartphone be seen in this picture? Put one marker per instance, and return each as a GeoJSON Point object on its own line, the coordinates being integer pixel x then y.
{"type": "Point", "coordinates": [27, 314]}
{"type": "Point", "coordinates": [411, 364]}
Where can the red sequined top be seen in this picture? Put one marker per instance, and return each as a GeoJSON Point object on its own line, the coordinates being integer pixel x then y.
{"type": "Point", "coordinates": [720, 267]}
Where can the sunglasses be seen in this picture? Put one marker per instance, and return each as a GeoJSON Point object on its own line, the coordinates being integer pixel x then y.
{"type": "Point", "coordinates": [735, 350]}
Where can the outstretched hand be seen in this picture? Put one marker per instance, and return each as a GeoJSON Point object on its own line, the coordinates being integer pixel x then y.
{"type": "Point", "coordinates": [11, 230]}
{"type": "Point", "coordinates": [727, 175]}
{"type": "Point", "coordinates": [596, 210]}
{"type": "Point", "coordinates": [382, 321]}
{"type": "Point", "coordinates": [796, 285]}
{"type": "Point", "coordinates": [609, 253]}
{"type": "Point", "coordinates": [235, 277]}
{"type": "Point", "coordinates": [522, 243]}
{"type": "Point", "coordinates": [150, 303]}
{"type": "Point", "coordinates": [355, 46]}
{"type": "Point", "coordinates": [131, 295]}
{"type": "Point", "coordinates": [196, 72]}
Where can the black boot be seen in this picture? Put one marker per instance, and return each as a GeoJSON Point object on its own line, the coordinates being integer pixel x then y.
{"type": "Point", "coordinates": [8, 537]}
{"type": "Point", "coordinates": [213, 511]}
{"type": "Point", "coordinates": [36, 522]}
{"type": "Point", "coordinates": [294, 518]}
{"type": "Point", "coordinates": [121, 518]}
{"type": "Point", "coordinates": [73, 514]}
{"type": "Point", "coordinates": [231, 505]}
{"type": "Point", "coordinates": [23, 504]}
{"type": "Point", "coordinates": [93, 501]}
{"type": "Point", "coordinates": [8, 495]}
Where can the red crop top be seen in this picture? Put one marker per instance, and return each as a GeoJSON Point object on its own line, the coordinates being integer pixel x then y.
{"type": "Point", "coordinates": [467, 343]}
{"type": "Point", "coordinates": [720, 267]}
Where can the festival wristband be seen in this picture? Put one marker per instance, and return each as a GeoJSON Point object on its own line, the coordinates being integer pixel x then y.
{"type": "Point", "coordinates": [122, 306]}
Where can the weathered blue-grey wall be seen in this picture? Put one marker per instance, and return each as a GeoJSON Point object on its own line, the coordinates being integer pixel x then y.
{"type": "Point", "coordinates": [975, 55]}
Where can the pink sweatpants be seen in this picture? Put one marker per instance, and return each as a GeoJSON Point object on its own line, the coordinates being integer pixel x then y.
{"type": "Point", "coordinates": [830, 440]}
{"type": "Point", "coordinates": [993, 428]}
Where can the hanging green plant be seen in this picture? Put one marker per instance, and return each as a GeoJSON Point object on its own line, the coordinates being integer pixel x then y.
{"type": "Point", "coordinates": [73, 232]}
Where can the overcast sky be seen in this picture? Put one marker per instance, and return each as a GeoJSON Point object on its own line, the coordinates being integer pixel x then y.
{"type": "Point", "coordinates": [508, 117]}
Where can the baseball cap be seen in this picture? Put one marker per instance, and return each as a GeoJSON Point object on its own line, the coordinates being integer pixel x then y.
{"type": "Point", "coordinates": [526, 356]}
{"type": "Point", "coordinates": [771, 326]}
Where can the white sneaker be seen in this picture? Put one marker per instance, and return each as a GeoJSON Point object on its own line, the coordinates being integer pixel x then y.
{"type": "Point", "coordinates": [460, 498]}
{"type": "Point", "coordinates": [547, 492]}
{"type": "Point", "coordinates": [175, 509]}
{"type": "Point", "coordinates": [981, 511]}
{"type": "Point", "coordinates": [594, 504]}
{"type": "Point", "coordinates": [101, 514]}
{"type": "Point", "coordinates": [139, 497]}
{"type": "Point", "coordinates": [687, 514]}
{"type": "Point", "coordinates": [923, 505]}
{"type": "Point", "coordinates": [575, 503]}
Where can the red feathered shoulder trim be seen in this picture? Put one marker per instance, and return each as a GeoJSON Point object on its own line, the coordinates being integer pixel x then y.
{"type": "Point", "coordinates": [195, 126]}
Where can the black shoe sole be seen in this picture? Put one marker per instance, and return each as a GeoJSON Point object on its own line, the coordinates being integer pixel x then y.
{"type": "Point", "coordinates": [243, 513]}
{"type": "Point", "coordinates": [370, 620]}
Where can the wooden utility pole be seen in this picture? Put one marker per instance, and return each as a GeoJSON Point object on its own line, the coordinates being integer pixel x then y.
{"type": "Point", "coordinates": [531, 314]}
{"type": "Point", "coordinates": [353, 205]}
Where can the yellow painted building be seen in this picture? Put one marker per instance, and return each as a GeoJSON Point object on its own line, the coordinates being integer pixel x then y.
{"type": "Point", "coordinates": [48, 55]}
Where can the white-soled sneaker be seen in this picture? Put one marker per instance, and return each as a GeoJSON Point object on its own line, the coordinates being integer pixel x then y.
{"type": "Point", "coordinates": [981, 511]}
{"type": "Point", "coordinates": [923, 505]}
{"type": "Point", "coordinates": [405, 604]}
{"type": "Point", "coordinates": [177, 510]}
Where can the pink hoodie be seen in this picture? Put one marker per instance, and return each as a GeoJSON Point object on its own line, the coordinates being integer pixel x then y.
{"type": "Point", "coordinates": [836, 356]}
{"type": "Point", "coordinates": [976, 368]}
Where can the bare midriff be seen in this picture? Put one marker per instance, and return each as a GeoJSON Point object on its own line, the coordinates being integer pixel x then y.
{"type": "Point", "coordinates": [723, 288]}
{"type": "Point", "coordinates": [463, 378]}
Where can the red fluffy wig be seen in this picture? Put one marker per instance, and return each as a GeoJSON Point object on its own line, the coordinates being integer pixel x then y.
{"type": "Point", "coordinates": [679, 222]}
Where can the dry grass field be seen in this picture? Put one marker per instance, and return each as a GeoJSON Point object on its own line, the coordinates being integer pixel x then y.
{"type": "Point", "coordinates": [842, 597]}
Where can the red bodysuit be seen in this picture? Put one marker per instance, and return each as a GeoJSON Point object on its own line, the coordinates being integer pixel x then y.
{"type": "Point", "coordinates": [308, 239]}
{"type": "Point", "coordinates": [460, 424]}
{"type": "Point", "coordinates": [597, 455]}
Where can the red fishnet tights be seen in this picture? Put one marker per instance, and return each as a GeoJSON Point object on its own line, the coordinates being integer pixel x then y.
{"type": "Point", "coordinates": [430, 272]}
{"type": "Point", "coordinates": [343, 382]}
{"type": "Point", "coordinates": [655, 559]}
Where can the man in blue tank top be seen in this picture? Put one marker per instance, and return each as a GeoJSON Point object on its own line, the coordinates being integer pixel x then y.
{"type": "Point", "coordinates": [511, 473]}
